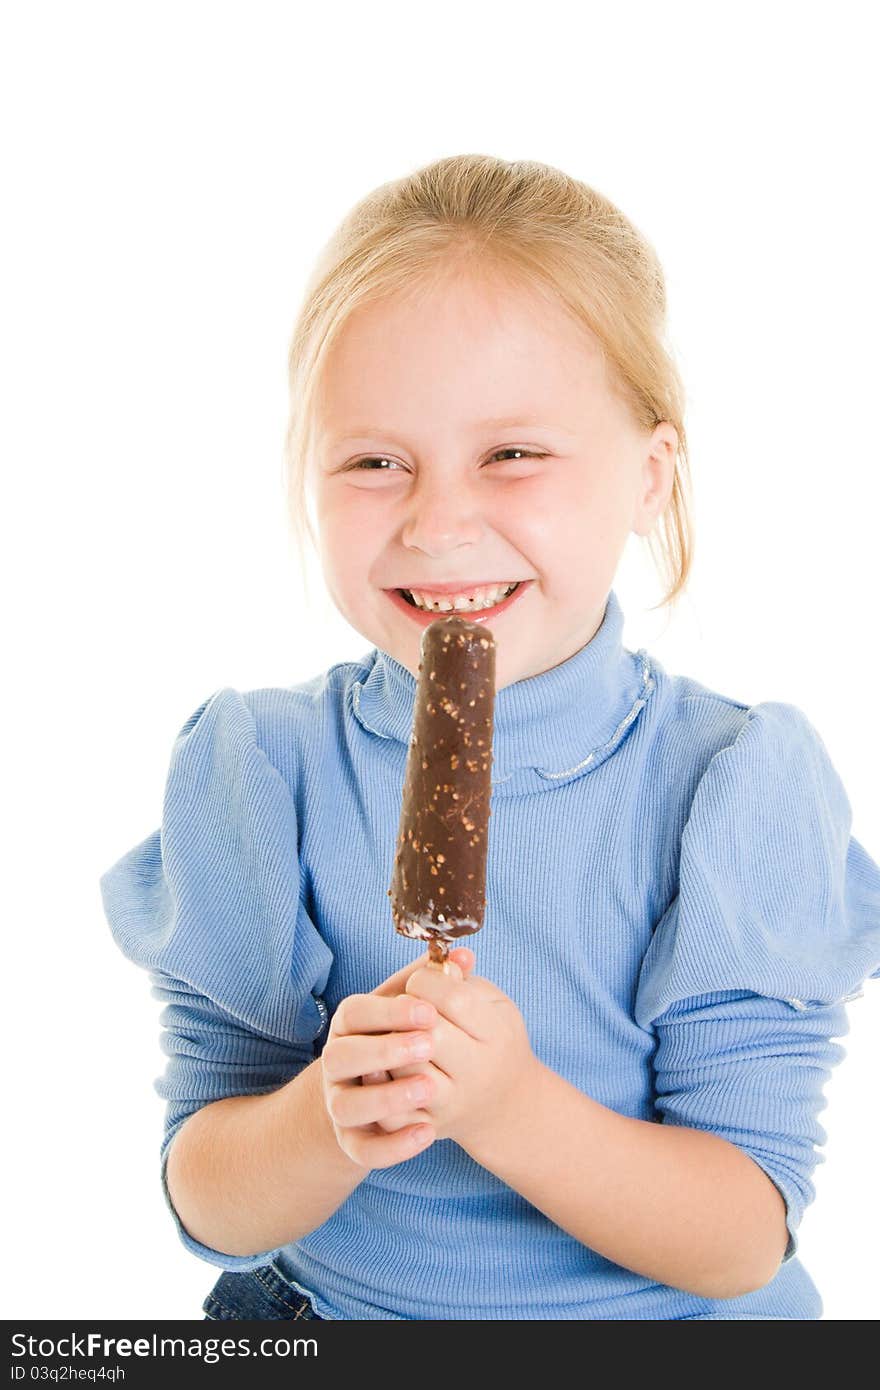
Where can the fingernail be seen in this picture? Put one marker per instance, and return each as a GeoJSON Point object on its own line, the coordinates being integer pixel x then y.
{"type": "Point", "coordinates": [423, 1013]}
{"type": "Point", "coordinates": [420, 1048]}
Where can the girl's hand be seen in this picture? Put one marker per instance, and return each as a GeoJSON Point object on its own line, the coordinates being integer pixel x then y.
{"type": "Point", "coordinates": [370, 1034]}
{"type": "Point", "coordinates": [461, 960]}
{"type": "Point", "coordinates": [482, 1065]}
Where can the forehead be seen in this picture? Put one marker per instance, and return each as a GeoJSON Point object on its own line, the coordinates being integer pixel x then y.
{"type": "Point", "coordinates": [439, 352]}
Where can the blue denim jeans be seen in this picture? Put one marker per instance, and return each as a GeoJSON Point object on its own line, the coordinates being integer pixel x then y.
{"type": "Point", "coordinates": [256, 1293]}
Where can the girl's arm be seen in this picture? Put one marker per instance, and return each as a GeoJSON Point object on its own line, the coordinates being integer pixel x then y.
{"type": "Point", "coordinates": [251, 1173]}
{"type": "Point", "coordinates": [681, 1206]}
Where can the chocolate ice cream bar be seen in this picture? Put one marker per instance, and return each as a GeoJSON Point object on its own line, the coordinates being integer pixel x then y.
{"type": "Point", "coordinates": [438, 887]}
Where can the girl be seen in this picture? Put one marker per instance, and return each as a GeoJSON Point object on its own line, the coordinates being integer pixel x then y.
{"type": "Point", "coordinates": [608, 1108]}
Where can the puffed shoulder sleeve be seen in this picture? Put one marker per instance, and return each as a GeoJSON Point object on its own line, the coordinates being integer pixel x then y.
{"type": "Point", "coordinates": [775, 925]}
{"type": "Point", "coordinates": [210, 906]}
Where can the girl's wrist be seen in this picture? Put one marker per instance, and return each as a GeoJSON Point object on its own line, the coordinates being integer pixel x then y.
{"type": "Point", "coordinates": [500, 1124]}
{"type": "Point", "coordinates": [324, 1134]}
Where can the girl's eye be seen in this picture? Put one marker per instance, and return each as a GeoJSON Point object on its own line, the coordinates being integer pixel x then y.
{"type": "Point", "coordinates": [521, 453]}
{"type": "Point", "coordinates": [380, 458]}
{"type": "Point", "coordinates": [383, 459]}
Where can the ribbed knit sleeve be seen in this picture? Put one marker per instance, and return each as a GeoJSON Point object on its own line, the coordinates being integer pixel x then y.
{"type": "Point", "coordinates": [775, 925]}
{"type": "Point", "coordinates": [210, 906]}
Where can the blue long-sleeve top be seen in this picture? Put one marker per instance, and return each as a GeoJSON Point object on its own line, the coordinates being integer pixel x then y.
{"type": "Point", "coordinates": [674, 901]}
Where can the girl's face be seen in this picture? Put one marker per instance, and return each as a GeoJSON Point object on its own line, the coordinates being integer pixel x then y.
{"type": "Point", "coordinates": [467, 436]}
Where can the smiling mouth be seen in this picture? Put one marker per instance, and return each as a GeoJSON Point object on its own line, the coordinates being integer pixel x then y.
{"type": "Point", "coordinates": [466, 606]}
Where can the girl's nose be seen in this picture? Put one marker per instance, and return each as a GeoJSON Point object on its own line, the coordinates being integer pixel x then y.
{"type": "Point", "coordinates": [441, 517]}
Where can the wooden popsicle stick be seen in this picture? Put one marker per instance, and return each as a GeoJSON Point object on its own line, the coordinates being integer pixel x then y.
{"type": "Point", "coordinates": [438, 953]}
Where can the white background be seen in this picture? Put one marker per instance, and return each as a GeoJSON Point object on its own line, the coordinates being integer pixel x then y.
{"type": "Point", "coordinates": [170, 171]}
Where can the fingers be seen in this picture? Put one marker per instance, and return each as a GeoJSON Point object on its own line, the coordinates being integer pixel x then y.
{"type": "Point", "coordinates": [375, 1114]}
{"type": "Point", "coordinates": [372, 1013]}
{"type": "Point", "coordinates": [391, 1100]}
{"type": "Point", "coordinates": [416, 1069]}
{"type": "Point", "coordinates": [461, 956]}
{"type": "Point", "coordinates": [396, 984]}
{"type": "Point", "coordinates": [462, 1002]}
{"type": "Point", "coordinates": [398, 1121]}
{"type": "Point", "coordinates": [450, 968]}
{"type": "Point", "coordinates": [378, 1123]}
{"type": "Point", "coordinates": [380, 1150]}
{"type": "Point", "coordinates": [348, 1058]}
{"type": "Point", "coordinates": [402, 1119]}
{"type": "Point", "coordinates": [464, 958]}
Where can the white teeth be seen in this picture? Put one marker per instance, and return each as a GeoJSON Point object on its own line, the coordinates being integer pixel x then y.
{"type": "Point", "coordinates": [464, 602]}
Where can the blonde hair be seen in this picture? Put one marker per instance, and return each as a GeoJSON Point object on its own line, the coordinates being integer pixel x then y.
{"type": "Point", "coordinates": [527, 220]}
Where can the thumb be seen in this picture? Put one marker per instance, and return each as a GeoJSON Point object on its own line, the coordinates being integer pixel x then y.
{"type": "Point", "coordinates": [458, 964]}
{"type": "Point", "coordinates": [464, 958]}
{"type": "Point", "coordinates": [396, 983]}
{"type": "Point", "coordinates": [450, 968]}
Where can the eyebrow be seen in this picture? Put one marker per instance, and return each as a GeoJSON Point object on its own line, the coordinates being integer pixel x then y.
{"type": "Point", "coordinates": [502, 422]}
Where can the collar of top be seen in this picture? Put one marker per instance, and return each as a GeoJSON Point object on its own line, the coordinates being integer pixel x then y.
{"type": "Point", "coordinates": [549, 728]}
